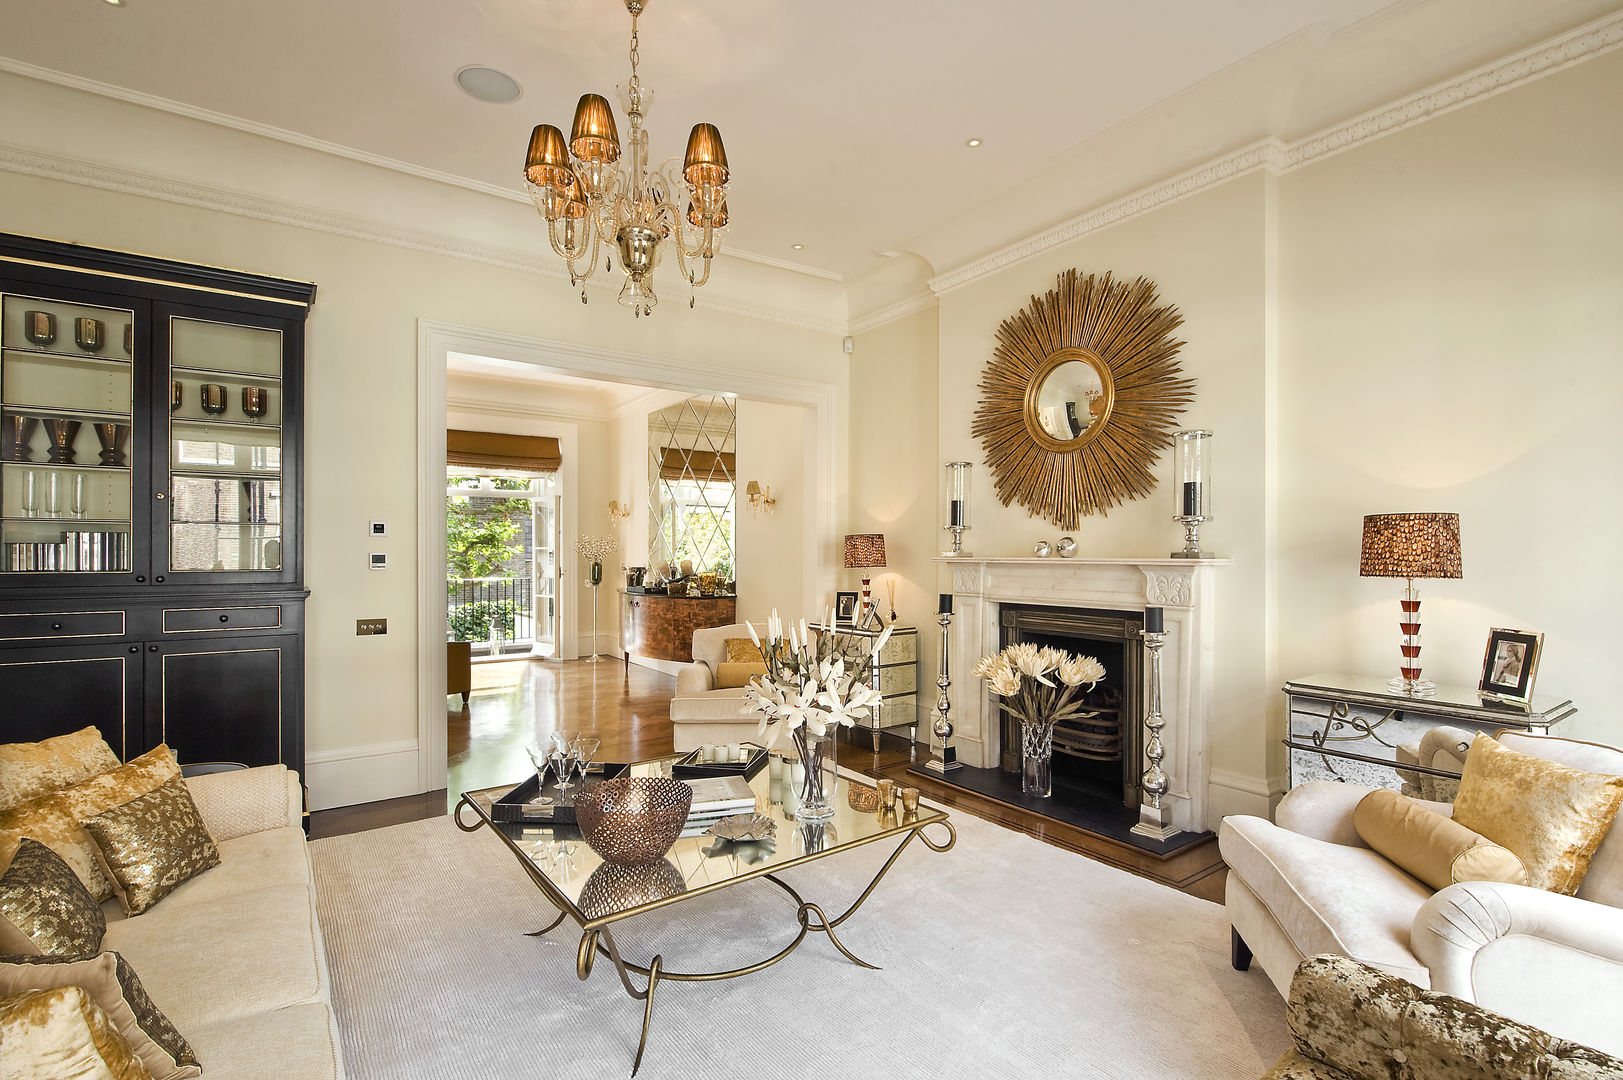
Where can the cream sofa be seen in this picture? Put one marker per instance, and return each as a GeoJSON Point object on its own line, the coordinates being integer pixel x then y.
{"type": "Point", "coordinates": [1307, 884]}
{"type": "Point", "coordinates": [700, 713]}
{"type": "Point", "coordinates": [234, 956]}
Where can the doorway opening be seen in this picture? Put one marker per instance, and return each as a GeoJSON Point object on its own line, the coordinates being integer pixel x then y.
{"type": "Point", "coordinates": [501, 572]}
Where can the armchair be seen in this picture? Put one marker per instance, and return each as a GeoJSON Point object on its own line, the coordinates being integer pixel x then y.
{"type": "Point", "coordinates": [701, 712]}
{"type": "Point", "coordinates": [1308, 884]}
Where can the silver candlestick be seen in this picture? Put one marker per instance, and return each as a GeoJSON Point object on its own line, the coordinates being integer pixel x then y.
{"type": "Point", "coordinates": [1152, 815]}
{"type": "Point", "coordinates": [941, 727]}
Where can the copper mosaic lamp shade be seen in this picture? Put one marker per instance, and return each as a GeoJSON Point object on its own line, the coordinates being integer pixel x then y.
{"type": "Point", "coordinates": [1410, 546]}
{"type": "Point", "coordinates": [865, 551]}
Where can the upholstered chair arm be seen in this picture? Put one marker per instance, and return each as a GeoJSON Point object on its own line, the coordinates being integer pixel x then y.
{"type": "Point", "coordinates": [1543, 958]}
{"type": "Point", "coordinates": [696, 678]}
{"type": "Point", "coordinates": [1323, 809]}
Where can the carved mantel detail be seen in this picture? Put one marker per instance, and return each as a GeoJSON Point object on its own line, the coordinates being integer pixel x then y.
{"type": "Point", "coordinates": [966, 579]}
{"type": "Point", "coordinates": [1169, 588]}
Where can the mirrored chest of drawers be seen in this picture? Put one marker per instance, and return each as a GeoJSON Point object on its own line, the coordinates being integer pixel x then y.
{"type": "Point", "coordinates": [1351, 728]}
{"type": "Point", "coordinates": [895, 675]}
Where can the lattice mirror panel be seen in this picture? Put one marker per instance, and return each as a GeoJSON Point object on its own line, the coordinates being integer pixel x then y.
{"type": "Point", "coordinates": [692, 488]}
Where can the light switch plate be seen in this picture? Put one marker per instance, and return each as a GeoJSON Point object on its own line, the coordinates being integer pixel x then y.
{"type": "Point", "coordinates": [377, 528]}
{"type": "Point", "coordinates": [371, 627]}
{"type": "Point", "coordinates": [379, 560]}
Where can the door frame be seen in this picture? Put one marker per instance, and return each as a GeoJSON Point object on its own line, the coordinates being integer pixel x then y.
{"type": "Point", "coordinates": [437, 340]}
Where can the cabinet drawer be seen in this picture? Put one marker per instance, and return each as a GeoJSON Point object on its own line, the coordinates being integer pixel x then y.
{"type": "Point", "coordinates": [197, 620]}
{"type": "Point", "coordinates": [61, 624]}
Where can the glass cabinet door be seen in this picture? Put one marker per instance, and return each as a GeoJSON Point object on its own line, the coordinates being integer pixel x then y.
{"type": "Point", "coordinates": [225, 447]}
{"type": "Point", "coordinates": [67, 424]}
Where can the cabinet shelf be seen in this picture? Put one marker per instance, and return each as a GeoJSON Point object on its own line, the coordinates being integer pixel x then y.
{"type": "Point", "coordinates": [73, 358]}
{"type": "Point", "coordinates": [65, 520]}
{"type": "Point", "coordinates": [9, 463]}
{"type": "Point", "coordinates": [225, 373]}
{"type": "Point", "coordinates": [53, 412]}
{"type": "Point", "coordinates": [228, 474]}
{"type": "Point", "coordinates": [242, 425]}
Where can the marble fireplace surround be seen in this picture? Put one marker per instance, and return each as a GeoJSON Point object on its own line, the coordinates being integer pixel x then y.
{"type": "Point", "coordinates": [1183, 587]}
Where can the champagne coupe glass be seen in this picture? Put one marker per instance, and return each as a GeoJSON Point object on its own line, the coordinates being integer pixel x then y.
{"type": "Point", "coordinates": [30, 492]}
{"type": "Point", "coordinates": [538, 758]}
{"type": "Point", "coordinates": [582, 750]}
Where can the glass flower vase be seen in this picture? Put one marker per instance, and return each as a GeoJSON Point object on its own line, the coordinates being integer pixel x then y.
{"type": "Point", "coordinates": [818, 755]}
{"type": "Point", "coordinates": [1037, 759]}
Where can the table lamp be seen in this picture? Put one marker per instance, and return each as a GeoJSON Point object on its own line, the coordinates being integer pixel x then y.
{"type": "Point", "coordinates": [865, 551]}
{"type": "Point", "coordinates": [1410, 546]}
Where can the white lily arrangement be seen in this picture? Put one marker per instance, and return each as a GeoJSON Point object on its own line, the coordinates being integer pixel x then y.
{"type": "Point", "coordinates": [1040, 685]}
{"type": "Point", "coordinates": [808, 689]}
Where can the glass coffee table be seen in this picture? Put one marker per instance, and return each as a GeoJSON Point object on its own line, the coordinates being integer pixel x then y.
{"type": "Point", "coordinates": [596, 895]}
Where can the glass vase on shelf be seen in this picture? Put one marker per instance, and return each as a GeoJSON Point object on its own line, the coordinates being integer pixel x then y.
{"type": "Point", "coordinates": [1037, 759]}
{"type": "Point", "coordinates": [819, 762]}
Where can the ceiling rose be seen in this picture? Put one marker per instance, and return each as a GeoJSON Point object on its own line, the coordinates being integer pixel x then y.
{"type": "Point", "coordinates": [590, 199]}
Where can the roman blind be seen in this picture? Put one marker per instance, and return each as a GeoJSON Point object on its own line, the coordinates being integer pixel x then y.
{"type": "Point", "coordinates": [700, 465]}
{"type": "Point", "coordinates": [504, 454]}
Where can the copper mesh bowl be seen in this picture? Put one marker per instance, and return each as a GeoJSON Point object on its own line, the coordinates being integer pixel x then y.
{"type": "Point", "coordinates": [614, 888]}
{"type": "Point", "coordinates": [634, 819]}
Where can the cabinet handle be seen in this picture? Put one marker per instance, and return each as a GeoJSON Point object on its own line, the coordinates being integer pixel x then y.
{"type": "Point", "coordinates": [159, 496]}
{"type": "Point", "coordinates": [135, 648]}
{"type": "Point", "coordinates": [152, 648]}
{"type": "Point", "coordinates": [56, 626]}
{"type": "Point", "coordinates": [140, 578]}
{"type": "Point", "coordinates": [158, 579]}
{"type": "Point", "coordinates": [225, 618]}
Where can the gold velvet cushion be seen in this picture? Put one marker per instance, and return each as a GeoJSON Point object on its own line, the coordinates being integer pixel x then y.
{"type": "Point", "coordinates": [54, 819]}
{"type": "Point", "coordinates": [1552, 816]}
{"type": "Point", "coordinates": [113, 986]}
{"type": "Point", "coordinates": [1438, 851]}
{"type": "Point", "coordinates": [31, 769]}
{"type": "Point", "coordinates": [45, 908]}
{"type": "Point", "coordinates": [61, 1034]}
{"type": "Point", "coordinates": [731, 676]}
{"type": "Point", "coordinates": [741, 650]}
{"type": "Point", "coordinates": [152, 844]}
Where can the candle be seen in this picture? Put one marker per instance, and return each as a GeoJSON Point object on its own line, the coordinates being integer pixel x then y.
{"type": "Point", "coordinates": [946, 604]}
{"type": "Point", "coordinates": [1191, 498]}
{"type": "Point", "coordinates": [957, 514]}
{"type": "Point", "coordinates": [1153, 621]}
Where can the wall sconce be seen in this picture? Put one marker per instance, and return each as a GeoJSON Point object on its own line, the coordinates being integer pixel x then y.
{"type": "Point", "coordinates": [759, 499]}
{"type": "Point", "coordinates": [617, 512]}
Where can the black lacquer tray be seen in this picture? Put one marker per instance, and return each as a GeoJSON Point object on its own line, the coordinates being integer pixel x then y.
{"type": "Point", "coordinates": [516, 806]}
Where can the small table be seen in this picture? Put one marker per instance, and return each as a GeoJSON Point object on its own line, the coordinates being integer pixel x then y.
{"type": "Point", "coordinates": [895, 674]}
{"type": "Point", "coordinates": [597, 895]}
{"type": "Point", "coordinates": [1354, 728]}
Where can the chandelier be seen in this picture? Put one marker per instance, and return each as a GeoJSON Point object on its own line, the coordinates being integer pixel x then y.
{"type": "Point", "coordinates": [592, 199]}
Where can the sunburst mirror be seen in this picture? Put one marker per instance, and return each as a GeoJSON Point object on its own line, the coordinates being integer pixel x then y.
{"type": "Point", "coordinates": [1082, 393]}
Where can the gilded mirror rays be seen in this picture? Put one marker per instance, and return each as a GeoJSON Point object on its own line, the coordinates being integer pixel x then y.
{"type": "Point", "coordinates": [691, 484]}
{"type": "Point", "coordinates": [1082, 393]}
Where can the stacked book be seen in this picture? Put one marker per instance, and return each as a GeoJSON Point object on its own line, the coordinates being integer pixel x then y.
{"type": "Point", "coordinates": [78, 550]}
{"type": "Point", "coordinates": [717, 797]}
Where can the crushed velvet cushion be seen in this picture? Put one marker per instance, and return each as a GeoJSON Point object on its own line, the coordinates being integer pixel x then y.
{"type": "Point", "coordinates": [1552, 816]}
{"type": "Point", "coordinates": [1437, 850]}
{"type": "Point", "coordinates": [61, 1034]}
{"type": "Point", "coordinates": [45, 908]}
{"type": "Point", "coordinates": [1369, 1025]}
{"type": "Point", "coordinates": [731, 676]}
{"type": "Point", "coordinates": [741, 650]}
{"type": "Point", "coordinates": [31, 769]}
{"type": "Point", "coordinates": [151, 844]}
{"type": "Point", "coordinates": [112, 985]}
{"type": "Point", "coordinates": [54, 819]}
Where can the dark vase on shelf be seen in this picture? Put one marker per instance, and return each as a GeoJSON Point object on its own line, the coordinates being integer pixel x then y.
{"type": "Point", "coordinates": [39, 327]}
{"type": "Point", "coordinates": [19, 431]}
{"type": "Point", "coordinates": [129, 339]}
{"type": "Point", "coordinates": [213, 398]}
{"type": "Point", "coordinates": [112, 438]}
{"type": "Point", "coordinates": [89, 334]}
{"type": "Point", "coordinates": [177, 396]}
{"type": "Point", "coordinates": [63, 433]}
{"type": "Point", "coordinates": [255, 401]}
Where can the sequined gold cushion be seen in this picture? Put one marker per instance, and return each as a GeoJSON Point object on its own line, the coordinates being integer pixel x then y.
{"type": "Point", "coordinates": [742, 650]}
{"type": "Point", "coordinates": [61, 1034]}
{"type": "Point", "coordinates": [45, 908]}
{"type": "Point", "coordinates": [54, 819]}
{"type": "Point", "coordinates": [31, 769]}
{"type": "Point", "coordinates": [1553, 817]}
{"type": "Point", "coordinates": [151, 844]}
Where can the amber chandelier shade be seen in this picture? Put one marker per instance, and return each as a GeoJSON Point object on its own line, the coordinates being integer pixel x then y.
{"type": "Point", "coordinates": [706, 159]}
{"type": "Point", "coordinates": [594, 138]}
{"type": "Point", "coordinates": [864, 550]}
{"type": "Point", "coordinates": [547, 160]}
{"type": "Point", "coordinates": [1410, 546]}
{"type": "Point", "coordinates": [717, 220]}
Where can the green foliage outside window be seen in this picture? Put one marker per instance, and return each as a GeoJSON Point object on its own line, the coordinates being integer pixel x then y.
{"type": "Point", "coordinates": [479, 536]}
{"type": "Point", "coordinates": [471, 622]}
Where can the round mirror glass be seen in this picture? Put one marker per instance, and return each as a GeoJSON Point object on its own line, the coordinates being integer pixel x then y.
{"type": "Point", "coordinates": [1071, 401]}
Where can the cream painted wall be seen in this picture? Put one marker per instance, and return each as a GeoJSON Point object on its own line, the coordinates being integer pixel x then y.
{"type": "Point", "coordinates": [772, 548]}
{"type": "Point", "coordinates": [361, 423]}
{"type": "Point", "coordinates": [1452, 303]}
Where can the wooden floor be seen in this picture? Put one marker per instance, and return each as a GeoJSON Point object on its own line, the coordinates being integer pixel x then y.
{"type": "Point", "coordinates": [517, 703]}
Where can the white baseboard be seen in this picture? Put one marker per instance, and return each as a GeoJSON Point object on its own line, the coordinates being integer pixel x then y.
{"type": "Point", "coordinates": [361, 774]}
{"type": "Point", "coordinates": [1235, 793]}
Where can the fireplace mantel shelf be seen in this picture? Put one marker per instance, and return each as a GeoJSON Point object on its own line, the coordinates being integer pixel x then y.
{"type": "Point", "coordinates": [1056, 560]}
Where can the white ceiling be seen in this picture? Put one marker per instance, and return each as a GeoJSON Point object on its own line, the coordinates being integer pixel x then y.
{"type": "Point", "coordinates": [845, 120]}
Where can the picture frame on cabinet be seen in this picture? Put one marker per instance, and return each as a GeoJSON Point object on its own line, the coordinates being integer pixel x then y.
{"type": "Point", "coordinates": [845, 607]}
{"type": "Point", "coordinates": [1509, 665]}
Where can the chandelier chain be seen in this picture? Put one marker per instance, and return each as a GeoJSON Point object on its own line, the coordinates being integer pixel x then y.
{"type": "Point", "coordinates": [635, 85]}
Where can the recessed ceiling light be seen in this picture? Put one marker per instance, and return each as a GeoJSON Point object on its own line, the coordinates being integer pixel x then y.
{"type": "Point", "coordinates": [116, 3]}
{"type": "Point", "coordinates": [972, 143]}
{"type": "Point", "coordinates": [485, 84]}
{"type": "Point", "coordinates": [798, 247]}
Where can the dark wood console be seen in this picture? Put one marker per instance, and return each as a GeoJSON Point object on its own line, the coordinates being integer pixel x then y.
{"type": "Point", "coordinates": [661, 627]}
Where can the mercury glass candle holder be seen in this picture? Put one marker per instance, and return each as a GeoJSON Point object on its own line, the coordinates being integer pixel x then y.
{"type": "Point", "coordinates": [957, 505]}
{"type": "Point", "coordinates": [1191, 488]}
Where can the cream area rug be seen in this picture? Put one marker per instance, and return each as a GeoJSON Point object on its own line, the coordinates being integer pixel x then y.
{"type": "Point", "coordinates": [1004, 956]}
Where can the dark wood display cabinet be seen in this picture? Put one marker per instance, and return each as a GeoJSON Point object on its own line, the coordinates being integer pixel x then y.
{"type": "Point", "coordinates": [151, 569]}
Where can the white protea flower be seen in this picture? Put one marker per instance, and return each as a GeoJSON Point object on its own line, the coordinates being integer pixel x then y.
{"type": "Point", "coordinates": [1078, 670]}
{"type": "Point", "coordinates": [988, 666]}
{"type": "Point", "coordinates": [1005, 683]}
{"type": "Point", "coordinates": [1052, 658]}
{"type": "Point", "coordinates": [1028, 660]}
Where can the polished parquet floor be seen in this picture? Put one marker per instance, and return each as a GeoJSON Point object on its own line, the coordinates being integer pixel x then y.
{"type": "Point", "coordinates": [516, 703]}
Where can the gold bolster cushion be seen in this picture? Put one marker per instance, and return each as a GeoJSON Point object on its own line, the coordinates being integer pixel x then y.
{"type": "Point", "coordinates": [732, 676]}
{"type": "Point", "coordinates": [1437, 850]}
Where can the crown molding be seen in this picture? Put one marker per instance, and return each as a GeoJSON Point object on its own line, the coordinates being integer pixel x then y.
{"type": "Point", "coordinates": [890, 313]}
{"type": "Point", "coordinates": [514, 410]}
{"type": "Point", "coordinates": [1277, 156]}
{"type": "Point", "coordinates": [47, 166]}
{"type": "Point", "coordinates": [324, 146]}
